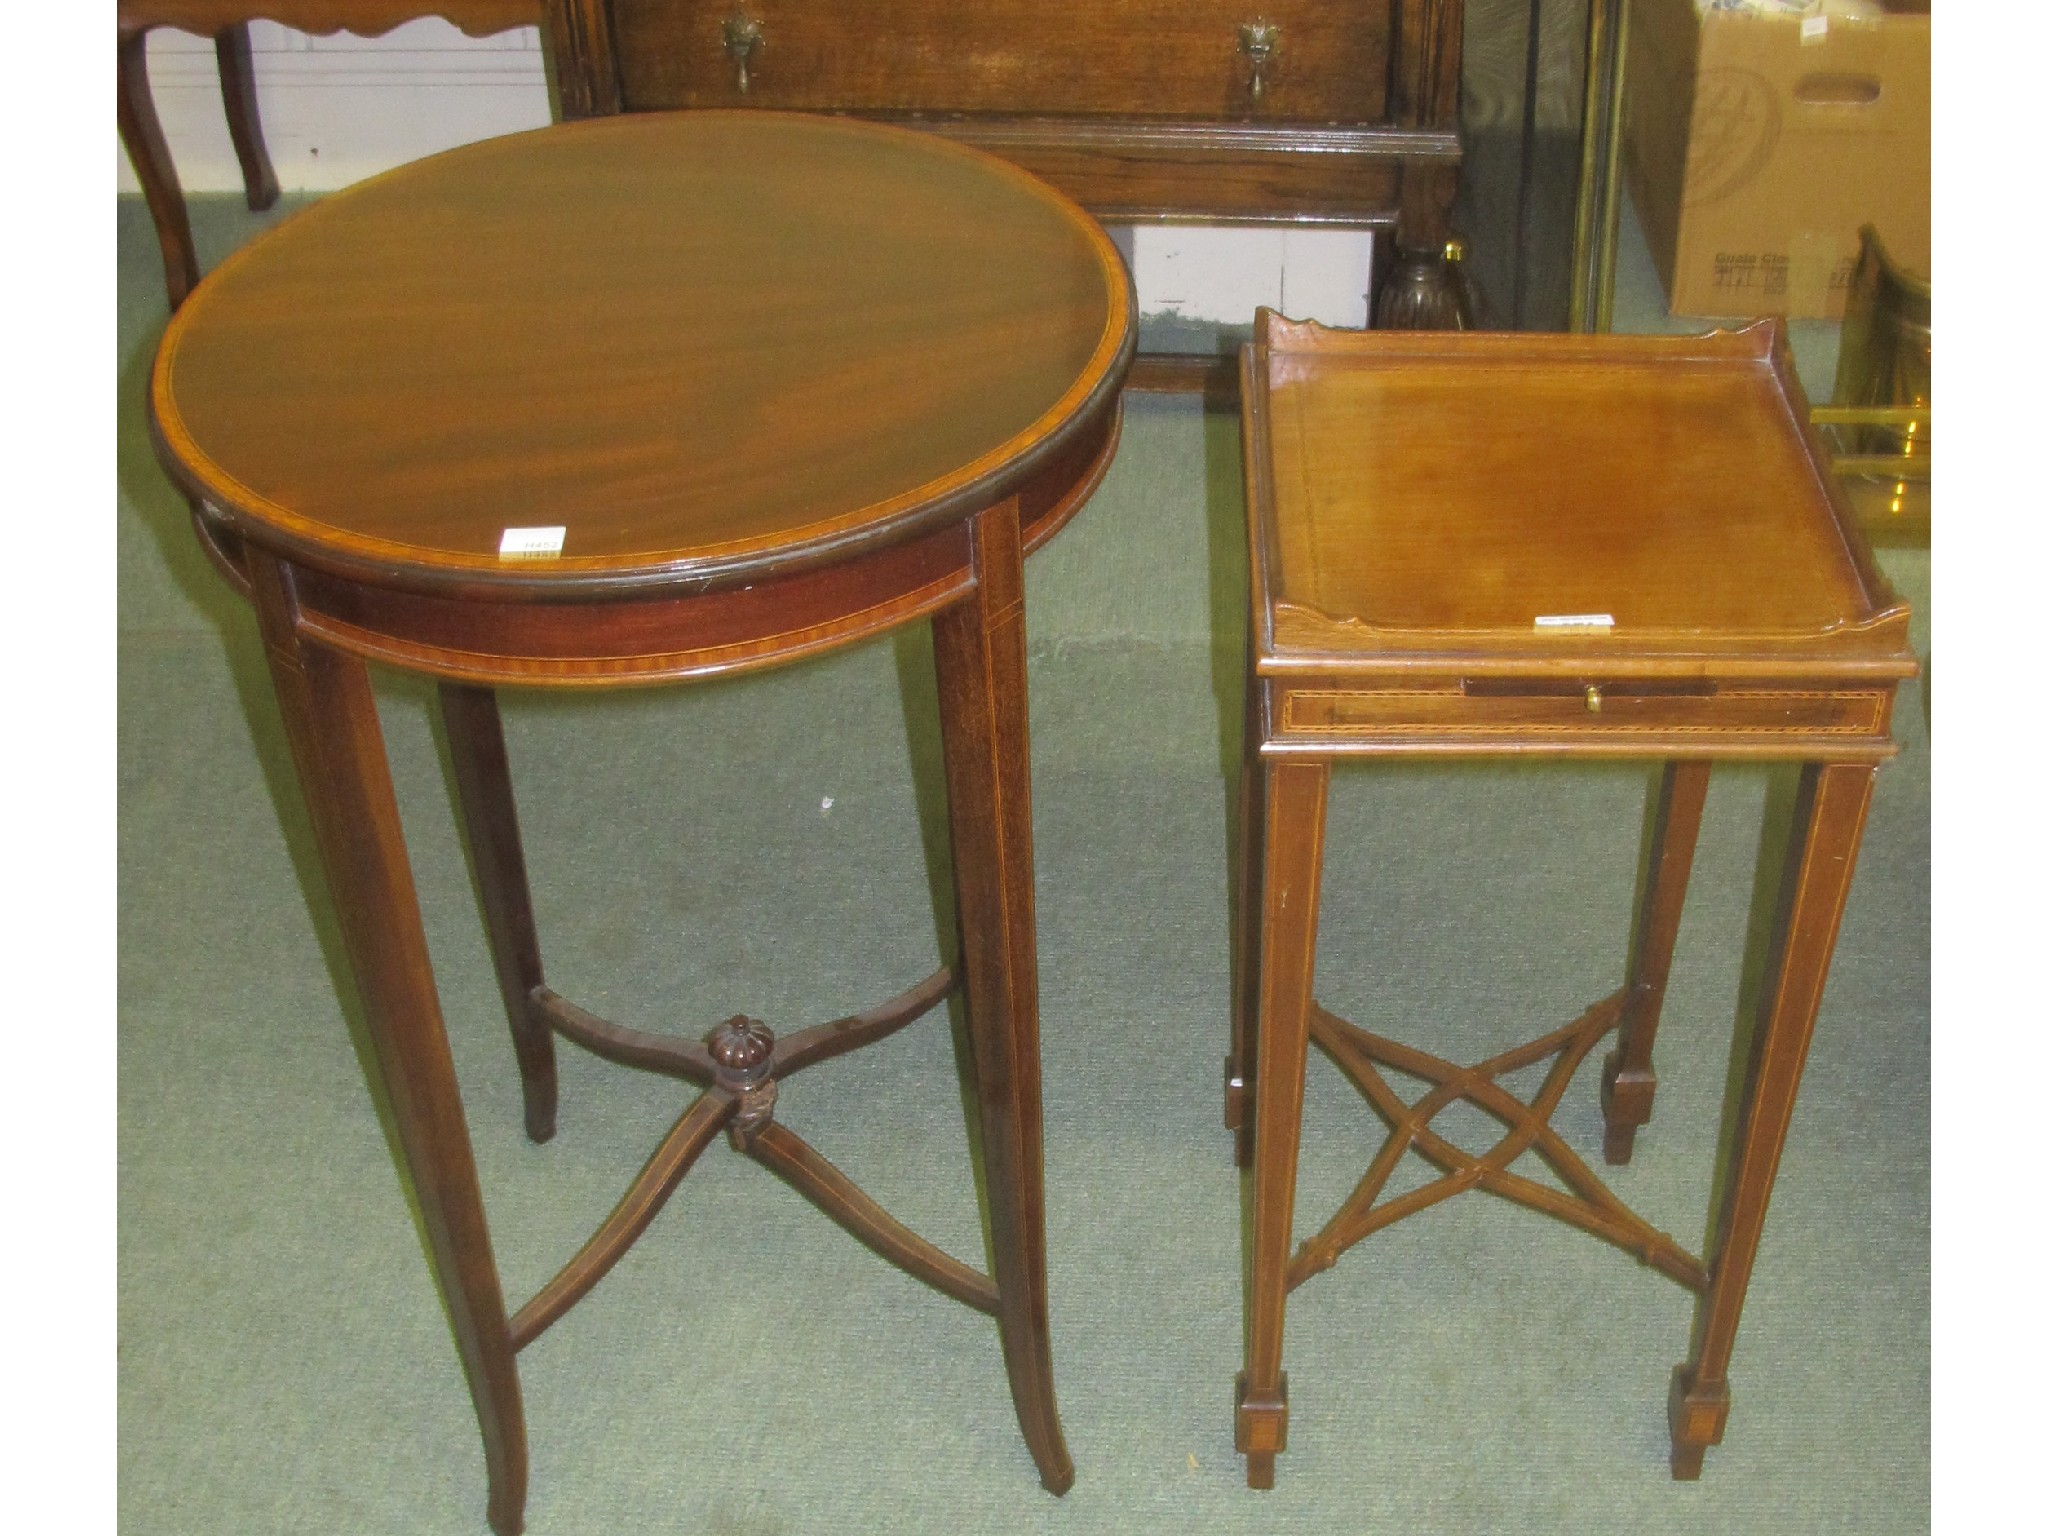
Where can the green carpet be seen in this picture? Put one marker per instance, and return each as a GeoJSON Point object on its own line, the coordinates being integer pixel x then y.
{"type": "Point", "coordinates": [766, 845]}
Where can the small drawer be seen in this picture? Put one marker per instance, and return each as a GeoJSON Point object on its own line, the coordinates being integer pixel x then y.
{"type": "Point", "coordinates": [1222, 60]}
{"type": "Point", "coordinates": [1565, 709]}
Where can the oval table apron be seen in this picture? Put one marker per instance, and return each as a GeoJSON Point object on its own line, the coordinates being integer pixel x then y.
{"type": "Point", "coordinates": [634, 400]}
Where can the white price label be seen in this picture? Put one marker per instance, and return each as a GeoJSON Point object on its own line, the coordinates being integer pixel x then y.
{"type": "Point", "coordinates": [532, 541]}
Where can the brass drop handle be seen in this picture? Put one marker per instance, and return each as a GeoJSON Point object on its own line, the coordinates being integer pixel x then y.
{"type": "Point", "coordinates": [1592, 699]}
{"type": "Point", "coordinates": [1258, 41]}
{"type": "Point", "coordinates": [742, 37]}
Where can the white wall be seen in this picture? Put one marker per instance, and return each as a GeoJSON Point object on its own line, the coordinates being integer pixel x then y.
{"type": "Point", "coordinates": [337, 109]}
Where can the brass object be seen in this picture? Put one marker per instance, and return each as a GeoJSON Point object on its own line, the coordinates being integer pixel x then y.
{"type": "Point", "coordinates": [742, 38]}
{"type": "Point", "coordinates": [1258, 41]}
{"type": "Point", "coordinates": [1592, 699]}
{"type": "Point", "coordinates": [1885, 357]}
{"type": "Point", "coordinates": [1597, 217]}
{"type": "Point", "coordinates": [1898, 447]}
{"type": "Point", "coordinates": [1425, 292]}
{"type": "Point", "coordinates": [1879, 426]}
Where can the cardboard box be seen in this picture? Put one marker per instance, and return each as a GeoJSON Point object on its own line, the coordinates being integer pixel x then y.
{"type": "Point", "coordinates": [1758, 145]}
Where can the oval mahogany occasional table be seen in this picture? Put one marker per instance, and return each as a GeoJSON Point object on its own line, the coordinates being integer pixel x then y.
{"type": "Point", "coordinates": [634, 400]}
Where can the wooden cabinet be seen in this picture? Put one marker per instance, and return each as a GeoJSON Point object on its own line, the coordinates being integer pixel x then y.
{"type": "Point", "coordinates": [1323, 111]}
{"type": "Point", "coordinates": [1149, 58]}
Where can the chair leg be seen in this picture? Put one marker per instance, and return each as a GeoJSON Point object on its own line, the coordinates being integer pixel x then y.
{"type": "Point", "coordinates": [245, 126]}
{"type": "Point", "coordinates": [143, 137]}
{"type": "Point", "coordinates": [1628, 1081]}
{"type": "Point", "coordinates": [337, 745]}
{"type": "Point", "coordinates": [483, 795]}
{"type": "Point", "coordinates": [1827, 827]}
{"type": "Point", "coordinates": [978, 644]}
{"type": "Point", "coordinates": [1296, 792]}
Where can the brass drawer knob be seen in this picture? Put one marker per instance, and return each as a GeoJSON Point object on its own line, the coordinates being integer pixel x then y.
{"type": "Point", "coordinates": [1592, 699]}
{"type": "Point", "coordinates": [1258, 41]}
{"type": "Point", "coordinates": [742, 38]}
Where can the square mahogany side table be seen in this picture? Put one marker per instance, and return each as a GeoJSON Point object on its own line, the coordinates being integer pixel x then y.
{"type": "Point", "coordinates": [1465, 545]}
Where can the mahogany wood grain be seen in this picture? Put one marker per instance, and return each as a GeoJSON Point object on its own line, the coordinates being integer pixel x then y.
{"type": "Point", "coordinates": [1248, 866]}
{"type": "Point", "coordinates": [688, 1059]}
{"type": "Point", "coordinates": [640, 1049]}
{"type": "Point", "coordinates": [142, 135]}
{"type": "Point", "coordinates": [1416, 505]}
{"type": "Point", "coordinates": [654, 633]}
{"type": "Point", "coordinates": [226, 22]}
{"type": "Point", "coordinates": [245, 124]}
{"type": "Point", "coordinates": [694, 1130]}
{"type": "Point", "coordinates": [1474, 518]}
{"type": "Point", "coordinates": [1585, 1201]}
{"type": "Point", "coordinates": [1421, 554]}
{"type": "Point", "coordinates": [330, 720]}
{"type": "Point", "coordinates": [1295, 795]}
{"type": "Point", "coordinates": [490, 823]}
{"type": "Point", "coordinates": [738, 436]}
{"type": "Point", "coordinates": [1155, 58]}
{"type": "Point", "coordinates": [1177, 173]}
{"type": "Point", "coordinates": [815, 1178]}
{"type": "Point", "coordinates": [1628, 1081]}
{"type": "Point", "coordinates": [1820, 860]}
{"type": "Point", "coordinates": [978, 645]}
{"type": "Point", "coordinates": [835, 1037]}
{"type": "Point", "coordinates": [1213, 378]}
{"type": "Point", "coordinates": [961, 295]}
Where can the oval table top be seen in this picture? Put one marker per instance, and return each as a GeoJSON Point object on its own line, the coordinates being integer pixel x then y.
{"type": "Point", "coordinates": [708, 346]}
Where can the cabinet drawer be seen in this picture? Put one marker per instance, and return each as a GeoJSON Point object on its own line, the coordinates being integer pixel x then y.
{"type": "Point", "coordinates": [1148, 58]}
{"type": "Point", "coordinates": [1494, 709]}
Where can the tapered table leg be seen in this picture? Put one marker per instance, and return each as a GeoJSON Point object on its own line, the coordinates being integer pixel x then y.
{"type": "Point", "coordinates": [330, 718]}
{"type": "Point", "coordinates": [1628, 1082]}
{"type": "Point", "coordinates": [984, 721]}
{"type": "Point", "coordinates": [1827, 826]}
{"type": "Point", "coordinates": [245, 125]}
{"type": "Point", "coordinates": [1238, 1079]}
{"type": "Point", "coordinates": [143, 137]}
{"type": "Point", "coordinates": [1296, 792]}
{"type": "Point", "coordinates": [483, 792]}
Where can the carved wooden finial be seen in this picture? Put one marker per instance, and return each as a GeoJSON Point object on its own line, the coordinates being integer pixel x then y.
{"type": "Point", "coordinates": [743, 1050]}
{"type": "Point", "coordinates": [741, 1046]}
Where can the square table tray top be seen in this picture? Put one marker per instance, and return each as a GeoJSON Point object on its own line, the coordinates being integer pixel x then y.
{"type": "Point", "coordinates": [1479, 540]}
